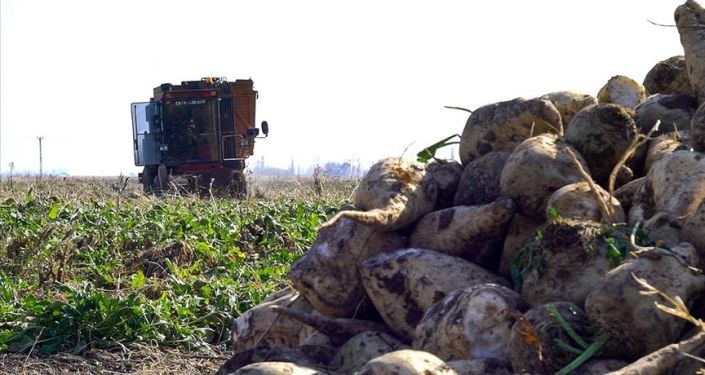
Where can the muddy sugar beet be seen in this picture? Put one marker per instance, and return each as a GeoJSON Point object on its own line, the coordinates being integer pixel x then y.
{"type": "Point", "coordinates": [328, 274]}
{"type": "Point", "coordinates": [391, 195]}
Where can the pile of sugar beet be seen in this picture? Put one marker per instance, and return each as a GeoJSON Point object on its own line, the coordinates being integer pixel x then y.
{"type": "Point", "coordinates": [547, 250]}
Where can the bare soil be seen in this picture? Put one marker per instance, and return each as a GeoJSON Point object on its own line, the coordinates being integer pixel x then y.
{"type": "Point", "coordinates": [143, 361]}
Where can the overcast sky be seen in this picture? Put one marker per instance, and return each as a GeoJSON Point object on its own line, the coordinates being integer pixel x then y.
{"type": "Point", "coordinates": [338, 80]}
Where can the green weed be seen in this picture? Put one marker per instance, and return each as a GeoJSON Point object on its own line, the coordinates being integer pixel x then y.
{"type": "Point", "coordinates": [83, 265]}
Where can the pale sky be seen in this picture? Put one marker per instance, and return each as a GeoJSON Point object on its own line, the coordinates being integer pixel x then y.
{"type": "Point", "coordinates": [337, 80]}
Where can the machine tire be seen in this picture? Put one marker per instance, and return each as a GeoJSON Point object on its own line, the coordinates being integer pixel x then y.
{"type": "Point", "coordinates": [148, 178]}
{"type": "Point", "coordinates": [162, 178]}
{"type": "Point", "coordinates": [237, 185]}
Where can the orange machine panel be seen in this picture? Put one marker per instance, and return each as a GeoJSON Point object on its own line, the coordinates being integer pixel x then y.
{"type": "Point", "coordinates": [244, 98]}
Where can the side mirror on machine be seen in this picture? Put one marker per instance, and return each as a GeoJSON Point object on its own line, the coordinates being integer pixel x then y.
{"type": "Point", "coordinates": [265, 128]}
{"type": "Point", "coordinates": [253, 132]}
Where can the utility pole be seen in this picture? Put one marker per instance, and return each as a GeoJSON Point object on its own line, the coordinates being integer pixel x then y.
{"type": "Point", "coordinates": [40, 156]}
{"type": "Point", "coordinates": [12, 171]}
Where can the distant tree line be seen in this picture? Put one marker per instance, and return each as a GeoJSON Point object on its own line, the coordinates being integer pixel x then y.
{"type": "Point", "coordinates": [332, 169]}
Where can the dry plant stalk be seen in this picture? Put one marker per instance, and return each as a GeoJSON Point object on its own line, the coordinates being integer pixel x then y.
{"type": "Point", "coordinates": [638, 141]}
{"type": "Point", "coordinates": [678, 309]}
{"type": "Point", "coordinates": [559, 131]}
{"type": "Point", "coordinates": [459, 108]}
{"type": "Point", "coordinates": [676, 134]}
{"type": "Point", "coordinates": [665, 359]}
{"type": "Point", "coordinates": [608, 212]}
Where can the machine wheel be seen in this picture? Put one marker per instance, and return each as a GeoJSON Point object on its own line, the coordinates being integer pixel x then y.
{"type": "Point", "coordinates": [148, 178]}
{"type": "Point", "coordinates": [162, 178]}
{"type": "Point", "coordinates": [237, 185]}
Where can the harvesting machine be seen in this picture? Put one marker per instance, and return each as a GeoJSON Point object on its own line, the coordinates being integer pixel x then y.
{"type": "Point", "coordinates": [197, 134]}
